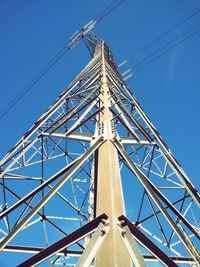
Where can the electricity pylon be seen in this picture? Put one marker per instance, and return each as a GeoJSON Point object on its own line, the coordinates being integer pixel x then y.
{"type": "Point", "coordinates": [93, 183]}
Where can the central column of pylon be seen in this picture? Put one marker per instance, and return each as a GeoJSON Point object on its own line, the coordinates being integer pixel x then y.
{"type": "Point", "coordinates": [112, 252]}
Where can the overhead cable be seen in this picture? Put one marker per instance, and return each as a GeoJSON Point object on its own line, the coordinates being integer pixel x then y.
{"type": "Point", "coordinates": [107, 11]}
{"type": "Point", "coordinates": [30, 85]}
{"type": "Point", "coordinates": [168, 50]}
{"type": "Point", "coordinates": [164, 34]}
{"type": "Point", "coordinates": [167, 45]}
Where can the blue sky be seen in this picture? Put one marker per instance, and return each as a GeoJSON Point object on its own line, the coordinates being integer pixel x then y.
{"type": "Point", "coordinates": [32, 32]}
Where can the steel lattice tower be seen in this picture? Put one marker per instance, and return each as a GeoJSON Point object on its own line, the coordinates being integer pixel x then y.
{"type": "Point", "coordinates": [92, 183]}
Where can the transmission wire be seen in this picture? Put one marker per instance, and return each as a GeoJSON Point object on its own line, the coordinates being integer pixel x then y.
{"type": "Point", "coordinates": [162, 35]}
{"type": "Point", "coordinates": [107, 11]}
{"type": "Point", "coordinates": [168, 50]}
{"type": "Point", "coordinates": [30, 85]}
{"type": "Point", "coordinates": [166, 45]}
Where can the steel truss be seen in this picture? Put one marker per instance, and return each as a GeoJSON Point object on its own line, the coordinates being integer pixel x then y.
{"type": "Point", "coordinates": [61, 184]}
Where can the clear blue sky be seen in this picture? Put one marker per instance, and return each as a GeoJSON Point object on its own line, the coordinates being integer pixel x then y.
{"type": "Point", "coordinates": [32, 32]}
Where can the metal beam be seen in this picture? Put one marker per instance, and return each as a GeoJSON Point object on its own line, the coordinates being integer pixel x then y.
{"type": "Point", "coordinates": [84, 121]}
{"type": "Point", "coordinates": [126, 125]}
{"type": "Point", "coordinates": [172, 208]}
{"type": "Point", "coordinates": [144, 180]}
{"type": "Point", "coordinates": [75, 136]}
{"type": "Point", "coordinates": [82, 104]}
{"type": "Point", "coordinates": [124, 121]}
{"type": "Point", "coordinates": [64, 242]}
{"type": "Point", "coordinates": [131, 141]}
{"type": "Point", "coordinates": [176, 259]}
{"type": "Point", "coordinates": [109, 195]}
{"type": "Point", "coordinates": [132, 247]}
{"type": "Point", "coordinates": [83, 115]}
{"type": "Point", "coordinates": [93, 246]}
{"type": "Point", "coordinates": [35, 250]}
{"type": "Point", "coordinates": [53, 108]}
{"type": "Point", "coordinates": [147, 243]}
{"type": "Point", "coordinates": [133, 120]}
{"type": "Point", "coordinates": [49, 195]}
{"type": "Point", "coordinates": [37, 189]}
{"type": "Point", "coordinates": [183, 176]}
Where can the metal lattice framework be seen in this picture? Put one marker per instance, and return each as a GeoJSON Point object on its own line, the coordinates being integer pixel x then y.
{"type": "Point", "coordinates": [93, 179]}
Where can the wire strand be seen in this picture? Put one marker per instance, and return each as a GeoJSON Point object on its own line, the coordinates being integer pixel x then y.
{"type": "Point", "coordinates": [166, 45]}
{"type": "Point", "coordinates": [107, 11]}
{"type": "Point", "coordinates": [162, 35]}
{"type": "Point", "coordinates": [30, 85]}
{"type": "Point", "coordinates": [166, 51]}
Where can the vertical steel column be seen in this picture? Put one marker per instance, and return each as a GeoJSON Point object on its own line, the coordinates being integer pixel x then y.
{"type": "Point", "coordinates": [112, 252]}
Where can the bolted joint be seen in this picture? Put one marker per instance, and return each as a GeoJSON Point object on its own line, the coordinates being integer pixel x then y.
{"type": "Point", "coordinates": [103, 232]}
{"type": "Point", "coordinates": [43, 217]}
{"type": "Point", "coordinates": [123, 233]}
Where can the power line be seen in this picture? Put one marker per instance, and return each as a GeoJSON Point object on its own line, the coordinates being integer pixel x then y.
{"type": "Point", "coordinates": [168, 50]}
{"type": "Point", "coordinates": [166, 45]}
{"type": "Point", "coordinates": [162, 35]}
{"type": "Point", "coordinates": [107, 11]}
{"type": "Point", "coordinates": [30, 85]}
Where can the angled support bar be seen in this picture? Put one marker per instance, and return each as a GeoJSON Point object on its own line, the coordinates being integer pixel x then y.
{"type": "Point", "coordinates": [132, 248]}
{"type": "Point", "coordinates": [126, 124]}
{"type": "Point", "coordinates": [93, 246]}
{"type": "Point", "coordinates": [64, 242]}
{"type": "Point", "coordinates": [72, 130]}
{"type": "Point", "coordinates": [79, 120]}
{"type": "Point", "coordinates": [51, 193]}
{"type": "Point", "coordinates": [173, 162]}
{"type": "Point", "coordinates": [181, 175]}
{"type": "Point", "coordinates": [25, 149]}
{"type": "Point", "coordinates": [147, 243]}
{"type": "Point", "coordinates": [37, 189]}
{"type": "Point", "coordinates": [73, 111]}
{"type": "Point", "coordinates": [146, 184]}
{"type": "Point", "coordinates": [55, 106]}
